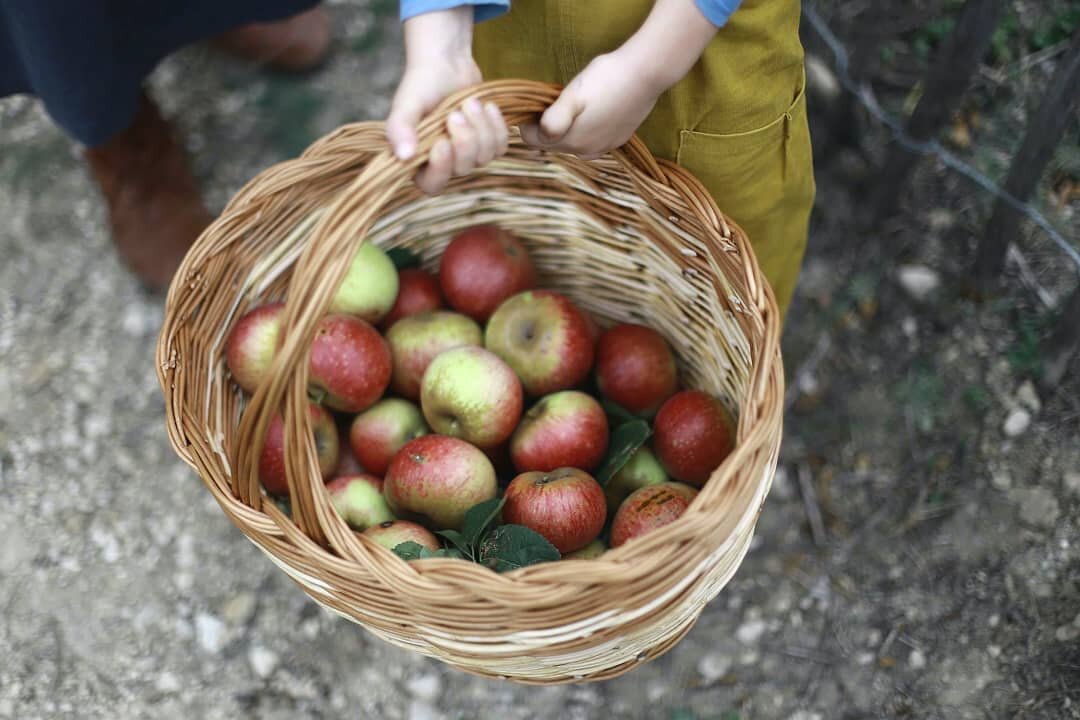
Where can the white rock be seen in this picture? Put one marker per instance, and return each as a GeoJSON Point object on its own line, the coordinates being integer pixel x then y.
{"type": "Point", "coordinates": [916, 660]}
{"type": "Point", "coordinates": [263, 661]}
{"type": "Point", "coordinates": [167, 682]}
{"type": "Point", "coordinates": [714, 666]}
{"type": "Point", "coordinates": [1038, 506]}
{"type": "Point", "coordinates": [422, 711]}
{"type": "Point", "coordinates": [1027, 396]}
{"type": "Point", "coordinates": [211, 632]}
{"type": "Point", "coordinates": [1001, 479]}
{"type": "Point", "coordinates": [1017, 422]}
{"type": "Point", "coordinates": [782, 487]}
{"type": "Point", "coordinates": [910, 326]}
{"type": "Point", "coordinates": [864, 658]}
{"type": "Point", "coordinates": [918, 281]}
{"type": "Point", "coordinates": [656, 692]}
{"type": "Point", "coordinates": [750, 631]}
{"type": "Point", "coordinates": [993, 620]}
{"type": "Point", "coordinates": [239, 609]}
{"type": "Point", "coordinates": [805, 715]}
{"type": "Point", "coordinates": [426, 687]}
{"type": "Point", "coordinates": [994, 650]}
{"type": "Point", "coordinates": [1071, 481]}
{"type": "Point", "coordinates": [1067, 633]}
{"type": "Point", "coordinates": [873, 638]}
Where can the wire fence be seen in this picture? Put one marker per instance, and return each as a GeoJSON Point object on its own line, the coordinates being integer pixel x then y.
{"type": "Point", "coordinates": [866, 97]}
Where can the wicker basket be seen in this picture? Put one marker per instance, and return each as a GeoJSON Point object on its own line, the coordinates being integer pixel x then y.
{"type": "Point", "coordinates": [627, 237]}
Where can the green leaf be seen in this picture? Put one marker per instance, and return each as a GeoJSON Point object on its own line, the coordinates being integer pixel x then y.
{"type": "Point", "coordinates": [478, 519]}
{"type": "Point", "coordinates": [617, 412]}
{"type": "Point", "coordinates": [510, 547]}
{"type": "Point", "coordinates": [410, 550]}
{"type": "Point", "coordinates": [403, 258]}
{"type": "Point", "coordinates": [459, 541]}
{"type": "Point", "coordinates": [625, 441]}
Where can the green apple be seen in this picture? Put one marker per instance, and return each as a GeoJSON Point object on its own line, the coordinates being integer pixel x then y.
{"type": "Point", "coordinates": [359, 500]}
{"type": "Point", "coordinates": [641, 470]}
{"type": "Point", "coordinates": [469, 393]}
{"type": "Point", "coordinates": [370, 286]}
{"type": "Point", "coordinates": [416, 340]}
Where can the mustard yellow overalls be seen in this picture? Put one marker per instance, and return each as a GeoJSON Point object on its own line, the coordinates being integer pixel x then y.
{"type": "Point", "coordinates": [737, 121]}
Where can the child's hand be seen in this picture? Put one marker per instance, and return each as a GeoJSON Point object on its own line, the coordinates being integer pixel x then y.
{"type": "Point", "coordinates": [439, 62]}
{"type": "Point", "coordinates": [604, 105]}
{"type": "Point", "coordinates": [599, 110]}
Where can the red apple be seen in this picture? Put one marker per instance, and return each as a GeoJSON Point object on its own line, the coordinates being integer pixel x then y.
{"type": "Point", "coordinates": [635, 368]}
{"type": "Point", "coordinates": [348, 463]}
{"type": "Point", "coordinates": [419, 292]}
{"type": "Point", "coordinates": [349, 363]}
{"type": "Point", "coordinates": [566, 506]}
{"type": "Point", "coordinates": [379, 432]}
{"type": "Point", "coordinates": [416, 340]}
{"type": "Point", "coordinates": [272, 458]}
{"type": "Point", "coordinates": [359, 500]}
{"type": "Point", "coordinates": [564, 429]}
{"type": "Point", "coordinates": [481, 267]}
{"type": "Point", "coordinates": [693, 435]}
{"type": "Point", "coordinates": [252, 343]}
{"type": "Point", "coordinates": [649, 508]}
{"type": "Point", "coordinates": [469, 393]}
{"type": "Point", "coordinates": [437, 479]}
{"type": "Point", "coordinates": [392, 533]}
{"type": "Point", "coordinates": [545, 338]}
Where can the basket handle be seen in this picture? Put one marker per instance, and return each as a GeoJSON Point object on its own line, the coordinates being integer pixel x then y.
{"type": "Point", "coordinates": [322, 266]}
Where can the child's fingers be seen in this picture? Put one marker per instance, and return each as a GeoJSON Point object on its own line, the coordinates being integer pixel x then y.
{"type": "Point", "coordinates": [484, 133]}
{"type": "Point", "coordinates": [465, 142]}
{"type": "Point", "coordinates": [557, 119]}
{"type": "Point", "coordinates": [498, 122]}
{"type": "Point", "coordinates": [405, 114]}
{"type": "Point", "coordinates": [433, 178]}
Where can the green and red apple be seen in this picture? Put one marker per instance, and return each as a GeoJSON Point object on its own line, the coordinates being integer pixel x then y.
{"type": "Point", "coordinates": [593, 550]}
{"type": "Point", "coordinates": [251, 345]}
{"type": "Point", "coordinates": [436, 479]}
{"type": "Point", "coordinates": [418, 292]}
{"type": "Point", "coordinates": [418, 339]}
{"type": "Point", "coordinates": [392, 533]}
{"type": "Point", "coordinates": [359, 500]}
{"type": "Point", "coordinates": [272, 457]}
{"type": "Point", "coordinates": [564, 429]}
{"type": "Point", "coordinates": [379, 432]}
{"type": "Point", "coordinates": [469, 393]}
{"type": "Point", "coordinates": [649, 508]}
{"type": "Point", "coordinates": [370, 286]}
{"type": "Point", "coordinates": [641, 470]}
{"type": "Point", "coordinates": [545, 338]}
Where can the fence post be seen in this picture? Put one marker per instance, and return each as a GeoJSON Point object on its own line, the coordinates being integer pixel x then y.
{"type": "Point", "coordinates": [944, 85]}
{"type": "Point", "coordinates": [1042, 136]}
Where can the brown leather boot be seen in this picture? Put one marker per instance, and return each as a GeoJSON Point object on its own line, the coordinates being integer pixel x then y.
{"type": "Point", "coordinates": [294, 44]}
{"type": "Point", "coordinates": [155, 209]}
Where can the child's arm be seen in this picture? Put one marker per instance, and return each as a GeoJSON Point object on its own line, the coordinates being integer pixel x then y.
{"type": "Point", "coordinates": [604, 105]}
{"type": "Point", "coordinates": [438, 62]}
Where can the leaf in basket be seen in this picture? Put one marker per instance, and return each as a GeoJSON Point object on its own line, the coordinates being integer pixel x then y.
{"type": "Point", "coordinates": [403, 258]}
{"type": "Point", "coordinates": [625, 441]}
{"type": "Point", "coordinates": [459, 541]}
{"type": "Point", "coordinates": [410, 550]}
{"type": "Point", "coordinates": [478, 519]}
{"type": "Point", "coordinates": [618, 413]}
{"type": "Point", "coordinates": [509, 547]}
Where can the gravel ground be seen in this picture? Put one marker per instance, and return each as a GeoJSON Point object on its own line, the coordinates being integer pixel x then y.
{"type": "Point", "coordinates": [919, 556]}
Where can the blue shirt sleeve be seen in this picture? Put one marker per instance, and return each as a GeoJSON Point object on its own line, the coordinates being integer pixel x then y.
{"type": "Point", "coordinates": [482, 9]}
{"type": "Point", "coordinates": [718, 11]}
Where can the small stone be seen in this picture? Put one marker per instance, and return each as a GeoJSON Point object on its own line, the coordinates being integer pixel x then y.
{"type": "Point", "coordinates": [781, 485]}
{"type": "Point", "coordinates": [419, 710]}
{"type": "Point", "coordinates": [310, 628]}
{"type": "Point", "coordinates": [993, 620]}
{"type": "Point", "coordinates": [873, 638]}
{"type": "Point", "coordinates": [425, 687]}
{"type": "Point", "coordinates": [263, 661]}
{"type": "Point", "coordinates": [210, 632]}
{"type": "Point", "coordinates": [1027, 396]}
{"type": "Point", "coordinates": [1071, 481]}
{"type": "Point", "coordinates": [864, 658]}
{"type": "Point", "coordinates": [749, 657]}
{"type": "Point", "coordinates": [916, 660]}
{"type": "Point", "coordinates": [918, 281]}
{"type": "Point", "coordinates": [656, 692]}
{"type": "Point", "coordinates": [805, 715]}
{"type": "Point", "coordinates": [910, 326]}
{"type": "Point", "coordinates": [167, 683]}
{"type": "Point", "coordinates": [714, 666]}
{"type": "Point", "coordinates": [750, 631]}
{"type": "Point", "coordinates": [239, 609]}
{"type": "Point", "coordinates": [1038, 506]}
{"type": "Point", "coordinates": [994, 650]}
{"type": "Point", "coordinates": [1067, 633]}
{"type": "Point", "coordinates": [1001, 479]}
{"type": "Point", "coordinates": [1017, 422]}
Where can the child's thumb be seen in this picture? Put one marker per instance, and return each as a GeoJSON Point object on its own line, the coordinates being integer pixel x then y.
{"type": "Point", "coordinates": [405, 114]}
{"type": "Point", "coordinates": [557, 119]}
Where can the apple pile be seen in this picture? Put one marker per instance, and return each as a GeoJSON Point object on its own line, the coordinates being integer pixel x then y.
{"type": "Point", "coordinates": [472, 414]}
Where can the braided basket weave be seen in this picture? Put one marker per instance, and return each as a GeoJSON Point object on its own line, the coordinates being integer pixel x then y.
{"type": "Point", "coordinates": [627, 237]}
